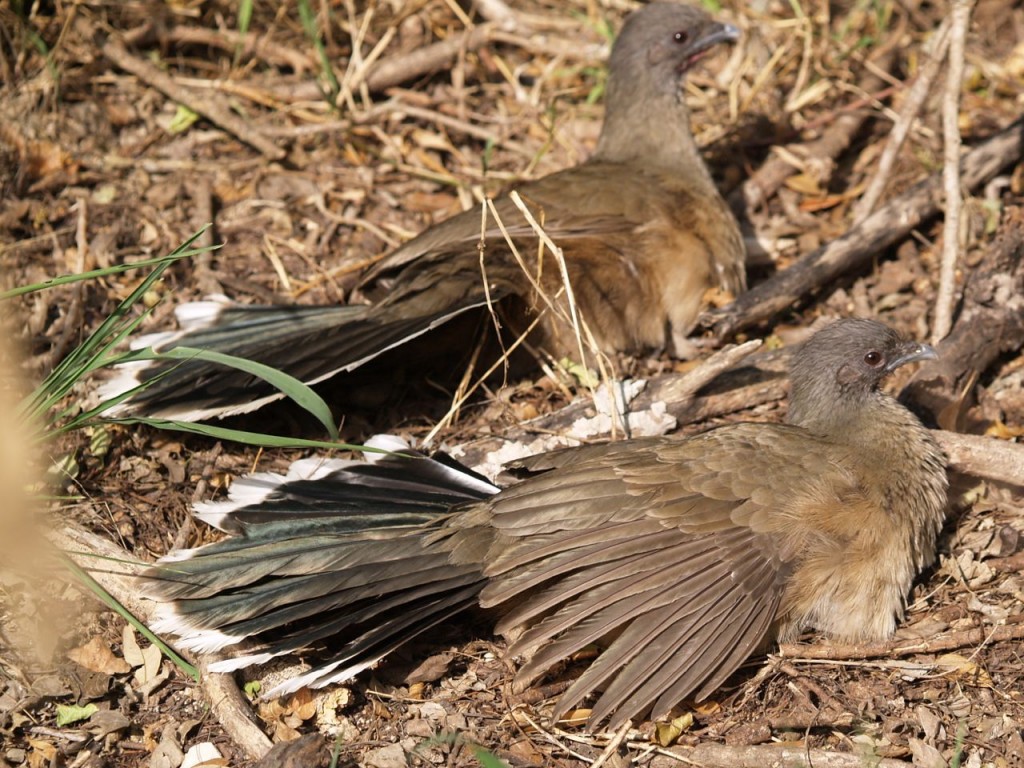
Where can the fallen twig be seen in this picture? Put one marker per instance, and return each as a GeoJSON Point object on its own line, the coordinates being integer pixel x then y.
{"type": "Point", "coordinates": [908, 114]}
{"type": "Point", "coordinates": [213, 111]}
{"type": "Point", "coordinates": [761, 755]}
{"type": "Point", "coordinates": [226, 700]}
{"type": "Point", "coordinates": [250, 44]}
{"type": "Point", "coordinates": [765, 182]}
{"type": "Point", "coordinates": [952, 193]}
{"type": "Point", "coordinates": [679, 389]}
{"type": "Point", "coordinates": [861, 243]}
{"type": "Point", "coordinates": [949, 641]}
{"type": "Point", "coordinates": [205, 213]}
{"type": "Point", "coordinates": [393, 71]}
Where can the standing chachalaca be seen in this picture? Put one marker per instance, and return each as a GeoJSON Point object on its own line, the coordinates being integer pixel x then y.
{"type": "Point", "coordinates": [680, 557]}
{"type": "Point", "coordinates": [644, 231]}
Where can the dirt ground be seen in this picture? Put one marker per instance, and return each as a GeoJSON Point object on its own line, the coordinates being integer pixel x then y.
{"type": "Point", "coordinates": [125, 127]}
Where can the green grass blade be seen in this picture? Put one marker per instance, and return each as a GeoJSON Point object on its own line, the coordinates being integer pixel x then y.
{"type": "Point", "coordinates": [245, 8]}
{"type": "Point", "coordinates": [111, 602]}
{"type": "Point", "coordinates": [95, 351]}
{"type": "Point", "coordinates": [308, 19]}
{"type": "Point", "coordinates": [488, 759]}
{"type": "Point", "coordinates": [291, 387]}
{"type": "Point", "coordinates": [241, 436]}
{"type": "Point", "coordinates": [115, 269]}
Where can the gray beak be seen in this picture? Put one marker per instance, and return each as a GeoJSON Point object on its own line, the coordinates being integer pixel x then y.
{"type": "Point", "coordinates": [912, 352]}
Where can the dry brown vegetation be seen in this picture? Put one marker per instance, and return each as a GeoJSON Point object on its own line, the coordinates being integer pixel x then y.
{"type": "Point", "coordinates": [126, 126]}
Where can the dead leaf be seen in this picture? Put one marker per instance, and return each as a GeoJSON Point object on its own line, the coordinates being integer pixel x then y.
{"type": "Point", "coordinates": [1003, 431]}
{"type": "Point", "coordinates": [527, 752]}
{"type": "Point", "coordinates": [43, 754]}
{"type": "Point", "coordinates": [805, 184]}
{"type": "Point", "coordinates": [329, 718]}
{"type": "Point", "coordinates": [925, 755]}
{"type": "Point", "coordinates": [717, 297]}
{"type": "Point", "coordinates": [575, 717]}
{"type": "Point", "coordinates": [168, 752]}
{"type": "Point", "coordinates": [302, 705]}
{"type": "Point", "coordinates": [666, 734]}
{"type": "Point", "coordinates": [431, 670]}
{"type": "Point", "coordinates": [203, 755]}
{"type": "Point", "coordinates": [96, 656]}
{"type": "Point", "coordinates": [150, 668]}
{"type": "Point", "coordinates": [707, 708]}
{"type": "Point", "coordinates": [130, 647]}
{"type": "Point", "coordinates": [286, 715]}
{"type": "Point", "coordinates": [306, 752]}
{"type": "Point", "coordinates": [50, 686]}
{"type": "Point", "coordinates": [814, 204]}
{"type": "Point", "coordinates": [107, 721]}
{"type": "Point", "coordinates": [961, 668]}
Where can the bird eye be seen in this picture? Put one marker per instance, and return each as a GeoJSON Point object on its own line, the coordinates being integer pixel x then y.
{"type": "Point", "coordinates": [873, 358]}
{"type": "Point", "coordinates": [681, 37]}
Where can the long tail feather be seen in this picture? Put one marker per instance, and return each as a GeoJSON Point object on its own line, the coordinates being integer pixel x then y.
{"type": "Point", "coordinates": [336, 556]}
{"type": "Point", "coordinates": [310, 343]}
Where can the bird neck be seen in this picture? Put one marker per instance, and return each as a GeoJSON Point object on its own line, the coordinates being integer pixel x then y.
{"type": "Point", "coordinates": [903, 468]}
{"type": "Point", "coordinates": [855, 419]}
{"type": "Point", "coordinates": [885, 436]}
{"type": "Point", "coordinates": [651, 129]}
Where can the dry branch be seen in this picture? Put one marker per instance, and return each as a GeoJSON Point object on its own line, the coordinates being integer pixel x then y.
{"type": "Point", "coordinates": [860, 244]}
{"type": "Point", "coordinates": [984, 457]}
{"type": "Point", "coordinates": [765, 182]}
{"type": "Point", "coordinates": [114, 49]}
{"type": "Point", "coordinates": [761, 755]}
{"type": "Point", "coordinates": [950, 641]}
{"type": "Point", "coordinates": [761, 381]}
{"type": "Point", "coordinates": [226, 700]}
{"type": "Point", "coordinates": [990, 324]}
{"type": "Point", "coordinates": [256, 46]}
{"type": "Point", "coordinates": [908, 115]}
{"type": "Point", "coordinates": [952, 194]}
{"type": "Point", "coordinates": [430, 58]}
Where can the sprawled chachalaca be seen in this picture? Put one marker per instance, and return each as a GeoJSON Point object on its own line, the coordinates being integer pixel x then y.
{"type": "Point", "coordinates": [643, 229]}
{"type": "Point", "coordinates": [678, 556]}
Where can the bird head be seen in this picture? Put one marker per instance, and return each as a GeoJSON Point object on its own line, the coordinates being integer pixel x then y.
{"type": "Point", "coordinates": [839, 369]}
{"type": "Point", "coordinates": [660, 42]}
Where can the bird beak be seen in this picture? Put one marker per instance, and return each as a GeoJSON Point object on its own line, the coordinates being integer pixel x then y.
{"type": "Point", "coordinates": [713, 34]}
{"type": "Point", "coordinates": [911, 352]}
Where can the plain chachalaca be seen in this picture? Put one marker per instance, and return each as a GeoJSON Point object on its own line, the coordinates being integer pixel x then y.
{"type": "Point", "coordinates": [679, 556]}
{"type": "Point", "coordinates": [644, 232]}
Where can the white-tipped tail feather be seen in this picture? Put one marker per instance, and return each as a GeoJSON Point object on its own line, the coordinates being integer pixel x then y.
{"type": "Point", "coordinates": [310, 343]}
{"type": "Point", "coordinates": [254, 489]}
{"type": "Point", "coordinates": [320, 677]}
{"type": "Point", "coordinates": [334, 553]}
{"type": "Point", "coordinates": [201, 314]}
{"type": "Point", "coordinates": [168, 622]}
{"type": "Point", "coordinates": [191, 317]}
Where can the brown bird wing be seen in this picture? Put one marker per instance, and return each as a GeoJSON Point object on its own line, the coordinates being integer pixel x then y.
{"type": "Point", "coordinates": [662, 548]}
{"type": "Point", "coordinates": [591, 200]}
{"type": "Point", "coordinates": [562, 201]}
{"type": "Point", "coordinates": [640, 251]}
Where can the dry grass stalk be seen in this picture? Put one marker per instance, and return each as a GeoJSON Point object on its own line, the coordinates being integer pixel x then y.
{"type": "Point", "coordinates": [951, 232]}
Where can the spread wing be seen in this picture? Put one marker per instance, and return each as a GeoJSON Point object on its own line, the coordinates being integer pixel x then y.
{"type": "Point", "coordinates": [574, 204]}
{"type": "Point", "coordinates": [640, 252]}
{"type": "Point", "coordinates": [663, 550]}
